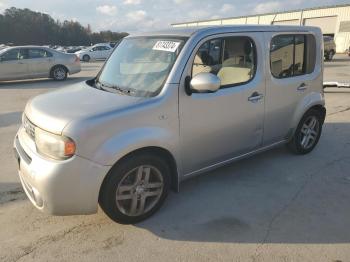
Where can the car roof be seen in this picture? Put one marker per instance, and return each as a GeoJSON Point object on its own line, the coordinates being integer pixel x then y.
{"type": "Point", "coordinates": [189, 31]}
{"type": "Point", "coordinates": [28, 46]}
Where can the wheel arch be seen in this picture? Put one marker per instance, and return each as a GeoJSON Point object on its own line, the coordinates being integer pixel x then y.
{"type": "Point", "coordinates": [159, 152]}
{"type": "Point", "coordinates": [321, 109]}
{"type": "Point", "coordinates": [312, 101]}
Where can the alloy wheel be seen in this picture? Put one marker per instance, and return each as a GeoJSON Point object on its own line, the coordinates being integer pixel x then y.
{"type": "Point", "coordinates": [59, 73]}
{"type": "Point", "coordinates": [139, 190]}
{"type": "Point", "coordinates": [309, 132]}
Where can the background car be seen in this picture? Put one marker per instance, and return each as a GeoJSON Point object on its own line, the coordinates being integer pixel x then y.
{"type": "Point", "coordinates": [96, 52]}
{"type": "Point", "coordinates": [329, 47]}
{"type": "Point", "coordinates": [115, 43]}
{"type": "Point", "coordinates": [3, 46]}
{"type": "Point", "coordinates": [26, 62]}
{"type": "Point", "coordinates": [73, 49]}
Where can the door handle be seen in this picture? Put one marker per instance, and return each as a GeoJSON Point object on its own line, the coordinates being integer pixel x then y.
{"type": "Point", "coordinates": [302, 87]}
{"type": "Point", "coordinates": [255, 97]}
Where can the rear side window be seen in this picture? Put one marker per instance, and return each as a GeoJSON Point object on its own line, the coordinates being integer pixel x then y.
{"type": "Point", "coordinates": [292, 55]}
{"type": "Point", "coordinates": [232, 59]}
{"type": "Point", "coordinates": [38, 53]}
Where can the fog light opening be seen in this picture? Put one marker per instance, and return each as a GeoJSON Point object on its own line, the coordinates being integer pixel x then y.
{"type": "Point", "coordinates": [37, 198]}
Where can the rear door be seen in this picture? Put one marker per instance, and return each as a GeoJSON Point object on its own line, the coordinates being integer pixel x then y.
{"type": "Point", "coordinates": [40, 62]}
{"type": "Point", "coordinates": [216, 127]}
{"type": "Point", "coordinates": [12, 65]}
{"type": "Point", "coordinates": [290, 64]}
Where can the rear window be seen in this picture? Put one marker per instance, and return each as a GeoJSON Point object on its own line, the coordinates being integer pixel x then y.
{"type": "Point", "coordinates": [292, 55]}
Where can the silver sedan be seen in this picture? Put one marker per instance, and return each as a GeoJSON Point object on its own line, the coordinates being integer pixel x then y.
{"type": "Point", "coordinates": [28, 62]}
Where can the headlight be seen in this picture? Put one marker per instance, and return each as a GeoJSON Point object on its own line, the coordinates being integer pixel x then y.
{"type": "Point", "coordinates": [54, 146]}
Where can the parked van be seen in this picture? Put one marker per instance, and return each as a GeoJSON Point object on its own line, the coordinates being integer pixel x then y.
{"type": "Point", "coordinates": [167, 106]}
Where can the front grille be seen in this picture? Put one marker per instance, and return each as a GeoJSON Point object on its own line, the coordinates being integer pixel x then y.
{"type": "Point", "coordinates": [29, 127]}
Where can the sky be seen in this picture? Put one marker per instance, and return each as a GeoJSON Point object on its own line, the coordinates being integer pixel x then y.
{"type": "Point", "coordinates": [146, 15]}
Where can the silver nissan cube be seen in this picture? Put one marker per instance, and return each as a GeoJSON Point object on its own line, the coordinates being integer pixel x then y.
{"type": "Point", "coordinates": [165, 107]}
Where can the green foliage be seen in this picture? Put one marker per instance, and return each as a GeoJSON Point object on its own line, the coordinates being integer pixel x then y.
{"type": "Point", "coordinates": [26, 27]}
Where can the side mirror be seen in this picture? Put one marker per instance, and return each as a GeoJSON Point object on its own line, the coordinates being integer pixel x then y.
{"type": "Point", "coordinates": [205, 82]}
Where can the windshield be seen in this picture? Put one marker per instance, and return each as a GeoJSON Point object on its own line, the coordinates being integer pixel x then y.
{"type": "Point", "coordinates": [139, 66]}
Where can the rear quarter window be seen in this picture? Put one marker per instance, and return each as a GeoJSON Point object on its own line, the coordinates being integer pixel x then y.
{"type": "Point", "coordinates": [292, 55]}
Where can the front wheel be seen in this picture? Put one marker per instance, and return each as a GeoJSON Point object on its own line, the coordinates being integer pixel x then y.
{"type": "Point", "coordinates": [308, 133]}
{"type": "Point", "coordinates": [135, 188]}
{"type": "Point", "coordinates": [86, 58]}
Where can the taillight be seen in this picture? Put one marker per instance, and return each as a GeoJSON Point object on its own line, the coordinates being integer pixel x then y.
{"type": "Point", "coordinates": [77, 60]}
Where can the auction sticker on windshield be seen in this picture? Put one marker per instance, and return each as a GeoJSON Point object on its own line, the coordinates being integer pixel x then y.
{"type": "Point", "coordinates": [169, 46]}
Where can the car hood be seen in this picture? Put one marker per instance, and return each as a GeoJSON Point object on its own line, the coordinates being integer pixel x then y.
{"type": "Point", "coordinates": [55, 110]}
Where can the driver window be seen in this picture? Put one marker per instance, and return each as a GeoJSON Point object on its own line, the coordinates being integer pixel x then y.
{"type": "Point", "coordinates": [11, 55]}
{"type": "Point", "coordinates": [208, 58]}
{"type": "Point", "coordinates": [232, 59]}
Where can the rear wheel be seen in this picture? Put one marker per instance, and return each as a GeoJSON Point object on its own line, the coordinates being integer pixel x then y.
{"type": "Point", "coordinates": [308, 133]}
{"type": "Point", "coordinates": [86, 58]}
{"type": "Point", "coordinates": [59, 73]}
{"type": "Point", "coordinates": [135, 188]}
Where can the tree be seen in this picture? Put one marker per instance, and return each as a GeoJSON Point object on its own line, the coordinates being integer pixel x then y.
{"type": "Point", "coordinates": [24, 27]}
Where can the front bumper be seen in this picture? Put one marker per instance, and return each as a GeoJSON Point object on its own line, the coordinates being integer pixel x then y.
{"type": "Point", "coordinates": [67, 187]}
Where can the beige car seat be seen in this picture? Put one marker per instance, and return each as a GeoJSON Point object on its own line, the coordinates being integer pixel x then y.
{"type": "Point", "coordinates": [199, 66]}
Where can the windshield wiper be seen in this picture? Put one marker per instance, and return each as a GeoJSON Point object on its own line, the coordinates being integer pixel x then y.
{"type": "Point", "coordinates": [114, 87]}
{"type": "Point", "coordinates": [122, 90]}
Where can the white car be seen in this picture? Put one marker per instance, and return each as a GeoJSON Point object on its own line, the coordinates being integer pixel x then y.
{"type": "Point", "coordinates": [96, 52]}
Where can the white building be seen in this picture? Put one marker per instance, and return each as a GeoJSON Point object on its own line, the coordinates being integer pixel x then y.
{"type": "Point", "coordinates": [333, 20]}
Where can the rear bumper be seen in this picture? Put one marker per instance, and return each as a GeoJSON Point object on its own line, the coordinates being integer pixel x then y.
{"type": "Point", "coordinates": [68, 187]}
{"type": "Point", "coordinates": [73, 69]}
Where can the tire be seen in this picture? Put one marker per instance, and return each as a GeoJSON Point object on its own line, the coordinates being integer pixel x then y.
{"type": "Point", "coordinates": [59, 73]}
{"type": "Point", "coordinates": [123, 187]}
{"type": "Point", "coordinates": [308, 133]}
{"type": "Point", "coordinates": [86, 58]}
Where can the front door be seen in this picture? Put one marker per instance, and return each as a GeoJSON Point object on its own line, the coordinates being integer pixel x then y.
{"type": "Point", "coordinates": [106, 51]}
{"type": "Point", "coordinates": [216, 127]}
{"type": "Point", "coordinates": [12, 66]}
{"type": "Point", "coordinates": [95, 52]}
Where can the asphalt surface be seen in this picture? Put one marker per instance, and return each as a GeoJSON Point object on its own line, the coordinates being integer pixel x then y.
{"type": "Point", "coordinates": [275, 206]}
